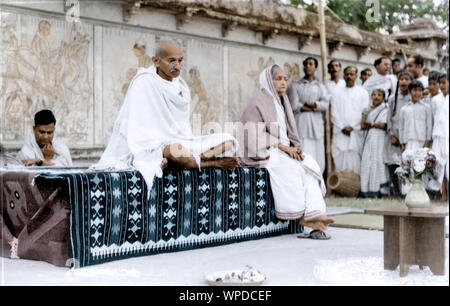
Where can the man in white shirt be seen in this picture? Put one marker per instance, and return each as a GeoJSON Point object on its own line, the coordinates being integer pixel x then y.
{"type": "Point", "coordinates": [381, 79]}
{"type": "Point", "coordinates": [347, 105]}
{"type": "Point", "coordinates": [309, 99]}
{"type": "Point", "coordinates": [334, 69]}
{"type": "Point", "coordinates": [41, 148]}
{"type": "Point", "coordinates": [365, 74]}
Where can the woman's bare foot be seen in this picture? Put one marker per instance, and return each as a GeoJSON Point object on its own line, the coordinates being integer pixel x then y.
{"type": "Point", "coordinates": [317, 225]}
{"type": "Point", "coordinates": [164, 163]}
{"type": "Point", "coordinates": [227, 162]}
{"type": "Point", "coordinates": [325, 219]}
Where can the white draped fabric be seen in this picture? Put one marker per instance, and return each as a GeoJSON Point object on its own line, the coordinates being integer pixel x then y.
{"type": "Point", "coordinates": [155, 113]}
{"type": "Point", "coordinates": [347, 105]}
{"type": "Point", "coordinates": [31, 150]}
{"type": "Point", "coordinates": [379, 81]}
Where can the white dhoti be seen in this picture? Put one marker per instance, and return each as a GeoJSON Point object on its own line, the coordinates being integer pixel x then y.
{"type": "Point", "coordinates": [346, 152]}
{"type": "Point", "coordinates": [315, 148]}
{"type": "Point", "coordinates": [295, 190]}
{"type": "Point", "coordinates": [348, 161]}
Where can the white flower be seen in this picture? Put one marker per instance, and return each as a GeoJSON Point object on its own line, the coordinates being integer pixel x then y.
{"type": "Point", "coordinates": [408, 155]}
{"type": "Point", "coordinates": [420, 153]}
{"type": "Point", "coordinates": [419, 165]}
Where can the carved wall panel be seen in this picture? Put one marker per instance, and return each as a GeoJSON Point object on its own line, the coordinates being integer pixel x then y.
{"type": "Point", "coordinates": [46, 63]}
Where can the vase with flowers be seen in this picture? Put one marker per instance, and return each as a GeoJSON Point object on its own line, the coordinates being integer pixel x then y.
{"type": "Point", "coordinates": [416, 163]}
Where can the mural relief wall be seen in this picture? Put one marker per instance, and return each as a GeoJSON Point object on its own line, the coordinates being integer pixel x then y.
{"type": "Point", "coordinates": [46, 64]}
{"type": "Point", "coordinates": [83, 73]}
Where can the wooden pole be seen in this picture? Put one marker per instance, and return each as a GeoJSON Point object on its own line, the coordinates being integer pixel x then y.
{"type": "Point", "coordinates": [323, 44]}
{"type": "Point", "coordinates": [323, 54]}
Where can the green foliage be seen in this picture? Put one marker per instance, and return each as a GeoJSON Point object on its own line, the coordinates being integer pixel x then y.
{"type": "Point", "coordinates": [391, 13]}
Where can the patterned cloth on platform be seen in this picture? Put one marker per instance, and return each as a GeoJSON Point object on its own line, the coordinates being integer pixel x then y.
{"type": "Point", "coordinates": [81, 218]}
{"type": "Point", "coordinates": [112, 218]}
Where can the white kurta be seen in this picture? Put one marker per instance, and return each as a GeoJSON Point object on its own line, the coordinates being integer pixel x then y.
{"type": "Point", "coordinates": [347, 105]}
{"type": "Point", "coordinates": [310, 125]}
{"type": "Point", "coordinates": [155, 113]}
{"type": "Point", "coordinates": [415, 123]}
{"type": "Point", "coordinates": [31, 150]}
{"type": "Point", "coordinates": [331, 85]}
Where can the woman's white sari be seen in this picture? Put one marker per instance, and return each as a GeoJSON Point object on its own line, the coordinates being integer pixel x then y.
{"type": "Point", "coordinates": [374, 172]}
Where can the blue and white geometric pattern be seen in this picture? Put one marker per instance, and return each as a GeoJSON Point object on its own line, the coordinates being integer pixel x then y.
{"type": "Point", "coordinates": [183, 210]}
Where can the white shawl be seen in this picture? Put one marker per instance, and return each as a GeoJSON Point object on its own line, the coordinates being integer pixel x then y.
{"type": "Point", "coordinates": [155, 113]}
{"type": "Point", "coordinates": [31, 150]}
{"type": "Point", "coordinates": [264, 84]}
{"type": "Point", "coordinates": [379, 81]}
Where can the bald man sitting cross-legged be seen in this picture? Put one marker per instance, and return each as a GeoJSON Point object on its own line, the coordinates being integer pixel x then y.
{"type": "Point", "coordinates": [153, 128]}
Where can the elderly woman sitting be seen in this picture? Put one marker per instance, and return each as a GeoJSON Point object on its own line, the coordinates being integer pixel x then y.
{"type": "Point", "coordinates": [297, 184]}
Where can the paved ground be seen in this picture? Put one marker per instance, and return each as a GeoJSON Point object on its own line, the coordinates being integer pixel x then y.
{"type": "Point", "coordinates": [351, 257]}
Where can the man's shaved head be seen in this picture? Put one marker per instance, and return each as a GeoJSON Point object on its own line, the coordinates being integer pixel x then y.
{"type": "Point", "coordinates": [166, 47]}
{"type": "Point", "coordinates": [167, 60]}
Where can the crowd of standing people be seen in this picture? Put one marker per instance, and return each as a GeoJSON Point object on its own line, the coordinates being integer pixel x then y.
{"type": "Point", "coordinates": [392, 109]}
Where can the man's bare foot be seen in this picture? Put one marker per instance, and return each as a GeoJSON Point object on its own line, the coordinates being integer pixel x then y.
{"type": "Point", "coordinates": [227, 162]}
{"type": "Point", "coordinates": [164, 163]}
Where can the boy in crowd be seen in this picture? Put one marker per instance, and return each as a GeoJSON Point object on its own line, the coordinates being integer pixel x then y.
{"type": "Point", "coordinates": [416, 126]}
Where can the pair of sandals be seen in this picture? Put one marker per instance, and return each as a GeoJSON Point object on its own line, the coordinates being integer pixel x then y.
{"type": "Point", "coordinates": [315, 234]}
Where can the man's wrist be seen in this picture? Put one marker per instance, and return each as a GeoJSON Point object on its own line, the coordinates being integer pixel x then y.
{"type": "Point", "coordinates": [39, 162]}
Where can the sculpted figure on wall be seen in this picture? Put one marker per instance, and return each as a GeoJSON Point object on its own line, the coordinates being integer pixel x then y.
{"type": "Point", "coordinates": [292, 72]}
{"type": "Point", "coordinates": [139, 50]}
{"type": "Point", "coordinates": [200, 102]}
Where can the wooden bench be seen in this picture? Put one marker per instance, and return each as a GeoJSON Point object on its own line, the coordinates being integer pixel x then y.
{"type": "Point", "coordinates": [413, 237]}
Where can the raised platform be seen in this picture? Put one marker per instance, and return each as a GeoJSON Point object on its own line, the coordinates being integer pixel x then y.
{"type": "Point", "coordinates": [80, 217]}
